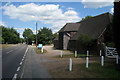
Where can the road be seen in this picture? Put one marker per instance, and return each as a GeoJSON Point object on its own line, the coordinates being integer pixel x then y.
{"type": "Point", "coordinates": [12, 60]}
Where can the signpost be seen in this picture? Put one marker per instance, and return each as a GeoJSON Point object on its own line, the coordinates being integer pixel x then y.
{"type": "Point", "coordinates": [40, 47]}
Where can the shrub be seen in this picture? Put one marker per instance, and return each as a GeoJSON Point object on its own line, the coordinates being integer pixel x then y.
{"type": "Point", "coordinates": [110, 44]}
{"type": "Point", "coordinates": [85, 42]}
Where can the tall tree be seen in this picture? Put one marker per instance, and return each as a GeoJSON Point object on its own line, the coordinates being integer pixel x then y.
{"type": "Point", "coordinates": [28, 35]}
{"type": "Point", "coordinates": [87, 17]}
{"type": "Point", "coordinates": [45, 36]}
{"type": "Point", "coordinates": [10, 35]}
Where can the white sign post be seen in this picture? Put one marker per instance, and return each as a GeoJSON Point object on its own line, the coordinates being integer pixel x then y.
{"type": "Point", "coordinates": [87, 53]}
{"type": "Point", "coordinates": [100, 52]}
{"type": "Point", "coordinates": [70, 65]}
{"type": "Point", "coordinates": [61, 54]}
{"type": "Point", "coordinates": [75, 53]}
{"type": "Point", "coordinates": [87, 62]}
{"type": "Point", "coordinates": [102, 60]}
{"type": "Point", "coordinates": [116, 59]}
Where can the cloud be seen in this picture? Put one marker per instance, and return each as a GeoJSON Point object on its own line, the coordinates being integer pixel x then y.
{"type": "Point", "coordinates": [70, 8]}
{"type": "Point", "coordinates": [112, 10]}
{"type": "Point", "coordinates": [2, 24]}
{"type": "Point", "coordinates": [20, 29]}
{"type": "Point", "coordinates": [97, 3]}
{"type": "Point", "coordinates": [47, 14]}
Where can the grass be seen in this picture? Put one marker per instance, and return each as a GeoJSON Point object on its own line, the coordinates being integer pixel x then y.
{"type": "Point", "coordinates": [2, 46]}
{"type": "Point", "coordinates": [95, 70]}
{"type": "Point", "coordinates": [38, 51]}
{"type": "Point", "coordinates": [107, 71]}
{"type": "Point", "coordinates": [73, 55]}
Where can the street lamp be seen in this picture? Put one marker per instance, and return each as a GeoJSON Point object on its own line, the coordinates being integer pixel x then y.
{"type": "Point", "coordinates": [36, 34]}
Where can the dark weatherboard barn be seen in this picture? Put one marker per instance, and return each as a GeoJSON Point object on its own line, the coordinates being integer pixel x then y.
{"type": "Point", "coordinates": [94, 27]}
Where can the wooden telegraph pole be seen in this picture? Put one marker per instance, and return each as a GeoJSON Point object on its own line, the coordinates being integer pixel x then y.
{"type": "Point", "coordinates": [36, 34]}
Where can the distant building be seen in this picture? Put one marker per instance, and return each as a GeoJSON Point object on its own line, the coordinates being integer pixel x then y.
{"type": "Point", "coordinates": [94, 27]}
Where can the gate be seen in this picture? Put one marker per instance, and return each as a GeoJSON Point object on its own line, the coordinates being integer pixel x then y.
{"type": "Point", "coordinates": [111, 51]}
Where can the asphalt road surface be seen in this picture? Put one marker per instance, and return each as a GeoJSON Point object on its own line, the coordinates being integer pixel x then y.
{"type": "Point", "coordinates": [12, 60]}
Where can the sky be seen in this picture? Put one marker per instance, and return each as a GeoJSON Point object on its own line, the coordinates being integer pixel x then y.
{"type": "Point", "coordinates": [53, 15]}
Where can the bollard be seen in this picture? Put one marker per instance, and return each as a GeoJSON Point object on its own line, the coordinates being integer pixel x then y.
{"type": "Point", "coordinates": [86, 62]}
{"type": "Point", "coordinates": [102, 60]}
{"type": "Point", "coordinates": [117, 59]}
{"type": "Point", "coordinates": [87, 53]}
{"type": "Point", "coordinates": [100, 52]}
{"type": "Point", "coordinates": [42, 49]}
{"type": "Point", "coordinates": [70, 65]}
{"type": "Point", "coordinates": [75, 53]}
{"type": "Point", "coordinates": [61, 54]}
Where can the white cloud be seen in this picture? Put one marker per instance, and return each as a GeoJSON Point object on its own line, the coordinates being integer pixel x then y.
{"type": "Point", "coordinates": [2, 23]}
{"type": "Point", "coordinates": [47, 14]}
{"type": "Point", "coordinates": [112, 10]}
{"type": "Point", "coordinates": [97, 3]}
{"type": "Point", "coordinates": [20, 29]}
{"type": "Point", "coordinates": [70, 8]}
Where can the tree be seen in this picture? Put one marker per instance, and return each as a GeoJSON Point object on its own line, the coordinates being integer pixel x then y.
{"type": "Point", "coordinates": [28, 35]}
{"type": "Point", "coordinates": [85, 41]}
{"type": "Point", "coordinates": [87, 17]}
{"type": "Point", "coordinates": [45, 36]}
{"type": "Point", "coordinates": [10, 35]}
{"type": "Point", "coordinates": [21, 40]}
{"type": "Point", "coordinates": [55, 35]}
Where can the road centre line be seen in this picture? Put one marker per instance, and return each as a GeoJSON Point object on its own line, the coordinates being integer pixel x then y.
{"type": "Point", "coordinates": [15, 76]}
{"type": "Point", "coordinates": [9, 51]}
{"type": "Point", "coordinates": [20, 63]}
{"type": "Point", "coordinates": [22, 59]}
{"type": "Point", "coordinates": [12, 50]}
{"type": "Point", "coordinates": [18, 68]}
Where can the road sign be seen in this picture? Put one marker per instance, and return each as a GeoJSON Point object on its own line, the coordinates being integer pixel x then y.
{"type": "Point", "coordinates": [40, 46]}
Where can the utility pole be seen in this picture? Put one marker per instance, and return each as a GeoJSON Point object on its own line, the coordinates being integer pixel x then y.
{"type": "Point", "coordinates": [36, 34]}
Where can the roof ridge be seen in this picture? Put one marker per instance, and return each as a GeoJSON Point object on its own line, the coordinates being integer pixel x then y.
{"type": "Point", "coordinates": [95, 16]}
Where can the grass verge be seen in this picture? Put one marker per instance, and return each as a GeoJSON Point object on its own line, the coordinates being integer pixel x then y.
{"type": "Point", "coordinates": [95, 70]}
{"type": "Point", "coordinates": [2, 46]}
{"type": "Point", "coordinates": [38, 51]}
{"type": "Point", "coordinates": [73, 55]}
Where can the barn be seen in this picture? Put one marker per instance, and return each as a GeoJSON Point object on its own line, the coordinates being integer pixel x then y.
{"type": "Point", "coordinates": [94, 27]}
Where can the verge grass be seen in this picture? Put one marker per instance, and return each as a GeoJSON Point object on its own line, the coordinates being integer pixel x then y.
{"type": "Point", "coordinates": [38, 51]}
{"type": "Point", "coordinates": [2, 46]}
{"type": "Point", "coordinates": [73, 55]}
{"type": "Point", "coordinates": [95, 70]}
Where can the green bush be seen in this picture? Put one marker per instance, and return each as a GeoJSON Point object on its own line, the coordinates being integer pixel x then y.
{"type": "Point", "coordinates": [110, 44]}
{"type": "Point", "coordinates": [85, 42]}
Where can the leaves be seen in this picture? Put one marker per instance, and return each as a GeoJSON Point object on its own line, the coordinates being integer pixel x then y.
{"type": "Point", "coordinates": [10, 35]}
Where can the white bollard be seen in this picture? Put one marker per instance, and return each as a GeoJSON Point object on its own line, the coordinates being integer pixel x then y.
{"type": "Point", "coordinates": [102, 60]}
{"type": "Point", "coordinates": [75, 53]}
{"type": "Point", "coordinates": [70, 65]}
{"type": "Point", "coordinates": [61, 54]}
{"type": "Point", "coordinates": [87, 53]}
{"type": "Point", "coordinates": [117, 59]}
{"type": "Point", "coordinates": [100, 52]}
{"type": "Point", "coordinates": [42, 49]}
{"type": "Point", "coordinates": [87, 62]}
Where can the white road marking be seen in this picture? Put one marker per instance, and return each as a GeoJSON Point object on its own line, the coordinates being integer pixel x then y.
{"type": "Point", "coordinates": [24, 55]}
{"type": "Point", "coordinates": [15, 76]}
{"type": "Point", "coordinates": [22, 59]}
{"type": "Point", "coordinates": [12, 50]}
{"type": "Point", "coordinates": [20, 63]}
{"type": "Point", "coordinates": [9, 51]}
{"type": "Point", "coordinates": [26, 50]}
{"type": "Point", "coordinates": [18, 68]}
{"type": "Point", "coordinates": [24, 65]}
